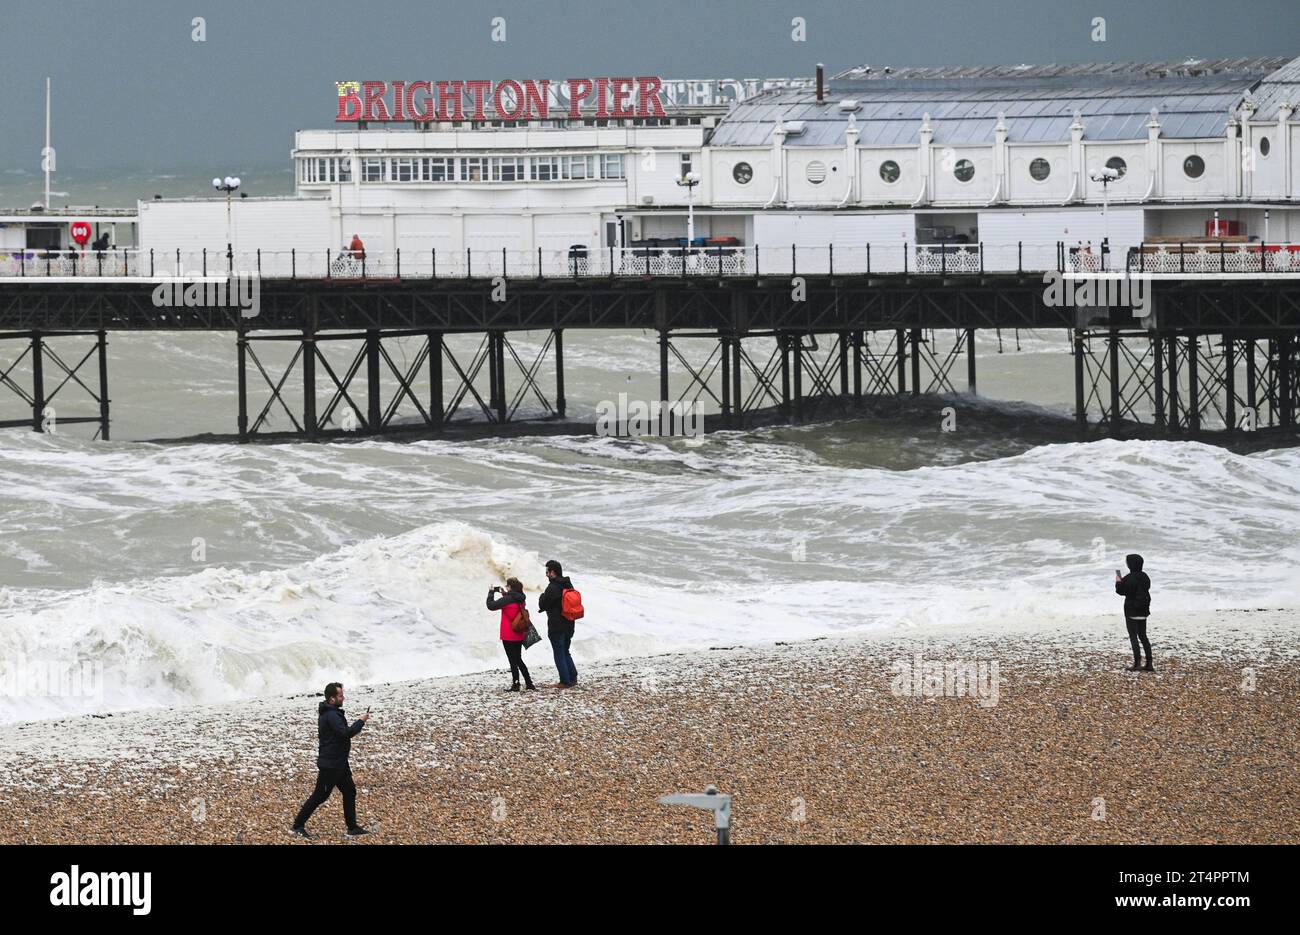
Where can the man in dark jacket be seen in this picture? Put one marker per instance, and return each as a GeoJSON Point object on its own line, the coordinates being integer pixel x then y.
{"type": "Point", "coordinates": [559, 629]}
{"type": "Point", "coordinates": [332, 761]}
{"type": "Point", "coordinates": [1136, 588]}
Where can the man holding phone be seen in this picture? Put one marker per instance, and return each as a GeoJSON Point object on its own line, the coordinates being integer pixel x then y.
{"type": "Point", "coordinates": [1136, 588]}
{"type": "Point", "coordinates": [335, 738]}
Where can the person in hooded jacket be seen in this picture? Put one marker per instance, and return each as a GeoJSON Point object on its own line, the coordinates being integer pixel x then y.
{"type": "Point", "coordinates": [335, 739]}
{"type": "Point", "coordinates": [559, 628]}
{"type": "Point", "coordinates": [1136, 588]}
{"type": "Point", "coordinates": [511, 603]}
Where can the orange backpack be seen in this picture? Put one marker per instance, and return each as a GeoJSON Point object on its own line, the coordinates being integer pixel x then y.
{"type": "Point", "coordinates": [571, 604]}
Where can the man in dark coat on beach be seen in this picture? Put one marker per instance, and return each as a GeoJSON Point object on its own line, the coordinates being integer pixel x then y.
{"type": "Point", "coordinates": [335, 738]}
{"type": "Point", "coordinates": [559, 628]}
{"type": "Point", "coordinates": [1136, 588]}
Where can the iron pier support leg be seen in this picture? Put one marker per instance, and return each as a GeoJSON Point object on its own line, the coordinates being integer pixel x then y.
{"type": "Point", "coordinates": [724, 345]}
{"type": "Point", "coordinates": [857, 367]}
{"type": "Point", "coordinates": [970, 361]}
{"type": "Point", "coordinates": [1193, 385]}
{"type": "Point", "coordinates": [1252, 401]}
{"type": "Point", "coordinates": [1112, 347]}
{"type": "Point", "coordinates": [1229, 384]}
{"type": "Point", "coordinates": [901, 358]}
{"type": "Point", "coordinates": [663, 367]}
{"type": "Point", "coordinates": [501, 376]}
{"type": "Point", "coordinates": [1285, 381]}
{"type": "Point", "coordinates": [102, 347]}
{"type": "Point", "coordinates": [241, 346]}
{"type": "Point", "coordinates": [373, 402]}
{"type": "Point", "coordinates": [1271, 394]}
{"type": "Point", "coordinates": [559, 372]}
{"type": "Point", "coordinates": [797, 390]}
{"type": "Point", "coordinates": [309, 421]}
{"type": "Point", "coordinates": [1080, 413]}
{"type": "Point", "coordinates": [844, 364]}
{"type": "Point", "coordinates": [38, 383]}
{"type": "Point", "coordinates": [783, 342]}
{"type": "Point", "coordinates": [1174, 419]}
{"type": "Point", "coordinates": [492, 371]}
{"type": "Point", "coordinates": [435, 379]}
{"type": "Point", "coordinates": [1158, 378]}
{"type": "Point", "coordinates": [737, 401]}
{"type": "Point", "coordinates": [916, 361]}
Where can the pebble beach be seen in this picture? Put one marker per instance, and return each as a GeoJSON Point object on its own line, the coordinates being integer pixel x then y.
{"type": "Point", "coordinates": [836, 740]}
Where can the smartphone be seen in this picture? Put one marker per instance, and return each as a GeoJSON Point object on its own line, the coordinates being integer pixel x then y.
{"type": "Point", "coordinates": [367, 709]}
{"type": "Point", "coordinates": [1118, 574]}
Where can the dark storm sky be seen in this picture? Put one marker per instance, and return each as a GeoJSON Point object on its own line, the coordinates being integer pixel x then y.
{"type": "Point", "coordinates": [133, 90]}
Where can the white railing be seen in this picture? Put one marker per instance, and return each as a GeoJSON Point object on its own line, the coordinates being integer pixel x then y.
{"type": "Point", "coordinates": [1215, 258]}
{"type": "Point", "coordinates": [945, 259]}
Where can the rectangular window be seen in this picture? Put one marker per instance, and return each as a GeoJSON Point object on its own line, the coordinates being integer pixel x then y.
{"type": "Point", "coordinates": [344, 167]}
{"type": "Point", "coordinates": [372, 169]}
{"type": "Point", "coordinates": [402, 170]}
{"type": "Point", "coordinates": [579, 167]}
{"type": "Point", "coordinates": [308, 170]}
{"type": "Point", "coordinates": [473, 169]}
{"type": "Point", "coordinates": [507, 169]}
{"type": "Point", "coordinates": [546, 168]}
{"type": "Point", "coordinates": [685, 164]}
{"type": "Point", "coordinates": [436, 169]}
{"type": "Point", "coordinates": [611, 166]}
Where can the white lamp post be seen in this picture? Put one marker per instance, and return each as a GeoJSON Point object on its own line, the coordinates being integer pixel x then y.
{"type": "Point", "coordinates": [1105, 176]}
{"type": "Point", "coordinates": [689, 181]}
{"type": "Point", "coordinates": [228, 185]}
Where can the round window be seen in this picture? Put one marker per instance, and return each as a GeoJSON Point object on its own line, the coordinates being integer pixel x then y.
{"type": "Point", "coordinates": [1040, 169]}
{"type": "Point", "coordinates": [1193, 167]}
{"type": "Point", "coordinates": [742, 172]}
{"type": "Point", "coordinates": [964, 170]}
{"type": "Point", "coordinates": [816, 172]}
{"type": "Point", "coordinates": [1118, 164]}
{"type": "Point", "coordinates": [1263, 146]}
{"type": "Point", "coordinates": [889, 171]}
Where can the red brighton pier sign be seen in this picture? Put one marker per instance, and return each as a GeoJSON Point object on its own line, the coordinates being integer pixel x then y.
{"type": "Point", "coordinates": [510, 100]}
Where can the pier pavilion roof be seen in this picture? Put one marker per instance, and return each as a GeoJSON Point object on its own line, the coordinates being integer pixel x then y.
{"type": "Point", "coordinates": [1193, 100]}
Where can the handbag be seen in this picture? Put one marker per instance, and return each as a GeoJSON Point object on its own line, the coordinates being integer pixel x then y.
{"type": "Point", "coordinates": [521, 621]}
{"type": "Point", "coordinates": [532, 636]}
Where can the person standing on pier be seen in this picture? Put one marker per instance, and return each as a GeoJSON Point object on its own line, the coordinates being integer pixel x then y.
{"type": "Point", "coordinates": [563, 606]}
{"type": "Point", "coordinates": [1136, 589]}
{"type": "Point", "coordinates": [357, 247]}
{"type": "Point", "coordinates": [332, 762]}
{"type": "Point", "coordinates": [511, 605]}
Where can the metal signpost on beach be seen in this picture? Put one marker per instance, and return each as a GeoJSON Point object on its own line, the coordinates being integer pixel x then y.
{"type": "Point", "coordinates": [710, 800]}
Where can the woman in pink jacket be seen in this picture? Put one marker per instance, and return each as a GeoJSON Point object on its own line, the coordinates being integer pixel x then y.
{"type": "Point", "coordinates": [511, 604]}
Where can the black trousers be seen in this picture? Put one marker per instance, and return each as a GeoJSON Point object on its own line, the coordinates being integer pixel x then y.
{"type": "Point", "coordinates": [1137, 630]}
{"type": "Point", "coordinates": [326, 780]}
{"type": "Point", "coordinates": [515, 653]}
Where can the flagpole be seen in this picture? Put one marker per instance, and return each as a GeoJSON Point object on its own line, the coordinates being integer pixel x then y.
{"type": "Point", "coordinates": [46, 152]}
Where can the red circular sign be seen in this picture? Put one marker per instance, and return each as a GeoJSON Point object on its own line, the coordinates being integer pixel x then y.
{"type": "Point", "coordinates": [80, 232]}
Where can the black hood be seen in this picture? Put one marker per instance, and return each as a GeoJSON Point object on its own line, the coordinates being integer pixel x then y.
{"type": "Point", "coordinates": [1133, 561]}
{"type": "Point", "coordinates": [324, 706]}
